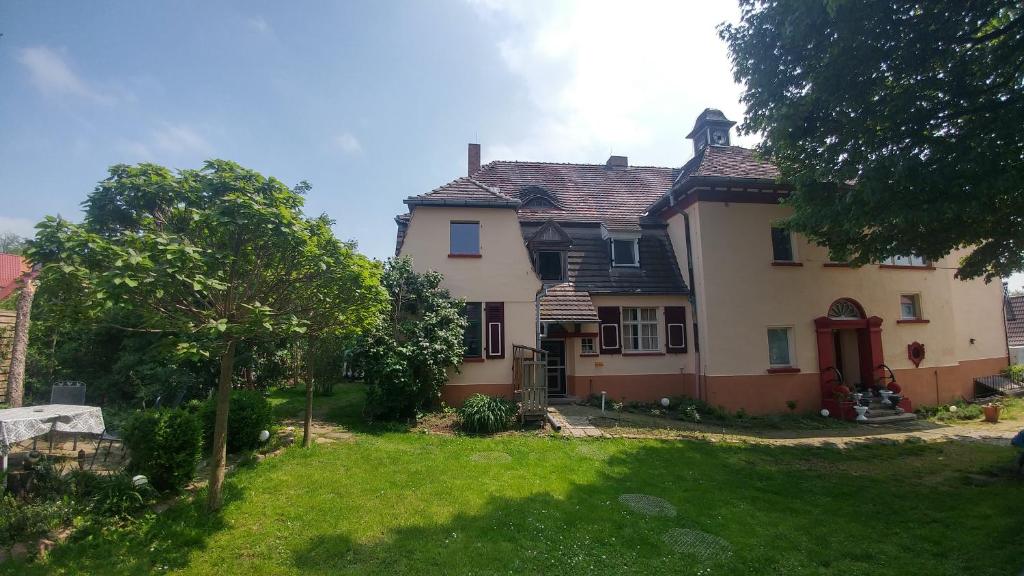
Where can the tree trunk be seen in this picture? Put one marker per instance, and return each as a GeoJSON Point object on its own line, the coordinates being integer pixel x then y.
{"type": "Point", "coordinates": [16, 376]}
{"type": "Point", "coordinates": [220, 428]}
{"type": "Point", "coordinates": [308, 422]}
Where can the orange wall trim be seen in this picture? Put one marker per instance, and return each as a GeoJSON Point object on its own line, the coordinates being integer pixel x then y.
{"type": "Point", "coordinates": [633, 387]}
{"type": "Point", "coordinates": [755, 394]}
{"type": "Point", "coordinates": [456, 394]}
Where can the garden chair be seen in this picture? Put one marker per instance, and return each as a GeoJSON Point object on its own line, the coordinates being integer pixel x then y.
{"type": "Point", "coordinates": [66, 392]}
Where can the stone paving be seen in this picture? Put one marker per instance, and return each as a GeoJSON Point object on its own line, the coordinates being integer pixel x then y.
{"type": "Point", "coordinates": [585, 421]}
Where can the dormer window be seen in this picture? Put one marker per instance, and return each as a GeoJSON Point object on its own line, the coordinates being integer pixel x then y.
{"type": "Point", "coordinates": [624, 252]}
{"type": "Point", "coordinates": [550, 265]}
{"type": "Point", "coordinates": [538, 203]}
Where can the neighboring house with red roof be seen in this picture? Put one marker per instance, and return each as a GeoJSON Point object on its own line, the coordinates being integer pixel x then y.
{"type": "Point", "coordinates": [648, 282]}
{"type": "Point", "coordinates": [12, 268]}
{"type": "Point", "coordinates": [1015, 328]}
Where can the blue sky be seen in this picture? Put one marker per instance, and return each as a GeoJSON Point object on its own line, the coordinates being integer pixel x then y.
{"type": "Point", "coordinates": [370, 102]}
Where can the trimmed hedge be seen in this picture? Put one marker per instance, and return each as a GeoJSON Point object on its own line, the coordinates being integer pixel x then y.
{"type": "Point", "coordinates": [248, 415]}
{"type": "Point", "coordinates": [165, 445]}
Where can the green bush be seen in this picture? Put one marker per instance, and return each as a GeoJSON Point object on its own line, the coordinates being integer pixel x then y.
{"type": "Point", "coordinates": [1014, 372]}
{"type": "Point", "coordinates": [116, 496]}
{"type": "Point", "coordinates": [946, 413]}
{"type": "Point", "coordinates": [164, 445]}
{"type": "Point", "coordinates": [248, 415]}
{"type": "Point", "coordinates": [21, 521]}
{"type": "Point", "coordinates": [486, 414]}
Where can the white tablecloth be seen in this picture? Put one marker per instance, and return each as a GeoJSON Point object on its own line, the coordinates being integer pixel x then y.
{"type": "Point", "coordinates": [17, 424]}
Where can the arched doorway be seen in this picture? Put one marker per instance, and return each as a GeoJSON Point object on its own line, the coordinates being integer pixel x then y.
{"type": "Point", "coordinates": [849, 347]}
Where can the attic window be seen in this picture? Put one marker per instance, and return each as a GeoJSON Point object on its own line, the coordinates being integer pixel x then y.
{"type": "Point", "coordinates": [624, 252]}
{"type": "Point", "coordinates": [538, 202]}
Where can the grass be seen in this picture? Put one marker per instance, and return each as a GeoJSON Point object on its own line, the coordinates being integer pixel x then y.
{"type": "Point", "coordinates": [410, 503]}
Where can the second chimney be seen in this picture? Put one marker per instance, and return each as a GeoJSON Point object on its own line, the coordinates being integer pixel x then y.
{"type": "Point", "coordinates": [617, 162]}
{"type": "Point", "coordinates": [474, 159]}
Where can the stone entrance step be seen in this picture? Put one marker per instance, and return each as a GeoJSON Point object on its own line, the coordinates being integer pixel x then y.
{"type": "Point", "coordinates": [560, 400]}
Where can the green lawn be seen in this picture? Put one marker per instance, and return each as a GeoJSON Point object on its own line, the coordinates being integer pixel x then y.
{"type": "Point", "coordinates": [410, 503]}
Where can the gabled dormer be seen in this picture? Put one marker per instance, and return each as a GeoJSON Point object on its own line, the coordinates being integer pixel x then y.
{"type": "Point", "coordinates": [549, 248]}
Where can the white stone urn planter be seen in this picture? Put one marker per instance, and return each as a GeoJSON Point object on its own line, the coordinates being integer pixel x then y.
{"type": "Point", "coordinates": [861, 411]}
{"type": "Point", "coordinates": [885, 397]}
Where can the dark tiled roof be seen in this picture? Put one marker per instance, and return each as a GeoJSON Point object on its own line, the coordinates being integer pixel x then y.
{"type": "Point", "coordinates": [1015, 327]}
{"type": "Point", "coordinates": [729, 162]}
{"type": "Point", "coordinates": [589, 268]}
{"type": "Point", "coordinates": [582, 192]}
{"type": "Point", "coordinates": [564, 303]}
{"type": "Point", "coordinates": [464, 192]}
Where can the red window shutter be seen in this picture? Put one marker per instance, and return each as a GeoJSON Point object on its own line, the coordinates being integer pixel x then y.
{"type": "Point", "coordinates": [675, 329]}
{"type": "Point", "coordinates": [494, 318]}
{"type": "Point", "coordinates": [611, 331]}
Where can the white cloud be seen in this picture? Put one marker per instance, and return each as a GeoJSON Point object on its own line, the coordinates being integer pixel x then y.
{"type": "Point", "coordinates": [20, 226]}
{"type": "Point", "coordinates": [348, 144]}
{"type": "Point", "coordinates": [166, 143]}
{"type": "Point", "coordinates": [603, 76]}
{"type": "Point", "coordinates": [259, 24]}
{"type": "Point", "coordinates": [49, 72]}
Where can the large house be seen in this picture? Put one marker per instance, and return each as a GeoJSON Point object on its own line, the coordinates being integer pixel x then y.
{"type": "Point", "coordinates": [645, 282]}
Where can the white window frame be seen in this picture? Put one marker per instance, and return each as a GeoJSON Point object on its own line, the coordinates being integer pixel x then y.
{"type": "Point", "coordinates": [593, 346]}
{"type": "Point", "coordinates": [790, 342]}
{"type": "Point", "coordinates": [604, 339]}
{"type": "Point", "coordinates": [491, 345]}
{"type": "Point", "coordinates": [916, 297]}
{"type": "Point", "coordinates": [640, 323]}
{"type": "Point", "coordinates": [907, 261]}
{"type": "Point", "coordinates": [636, 252]}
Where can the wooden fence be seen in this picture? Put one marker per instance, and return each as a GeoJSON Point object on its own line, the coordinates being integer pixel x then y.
{"type": "Point", "coordinates": [6, 343]}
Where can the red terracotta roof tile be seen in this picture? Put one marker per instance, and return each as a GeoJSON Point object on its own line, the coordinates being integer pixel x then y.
{"type": "Point", "coordinates": [1015, 321]}
{"type": "Point", "coordinates": [563, 303]}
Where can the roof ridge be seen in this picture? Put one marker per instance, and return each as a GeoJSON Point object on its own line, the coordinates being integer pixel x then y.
{"type": "Point", "coordinates": [492, 162]}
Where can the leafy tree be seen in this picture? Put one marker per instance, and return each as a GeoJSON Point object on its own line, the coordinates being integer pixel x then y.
{"type": "Point", "coordinates": [210, 258]}
{"type": "Point", "coordinates": [897, 121]}
{"type": "Point", "coordinates": [407, 357]}
{"type": "Point", "coordinates": [19, 346]}
{"type": "Point", "coordinates": [11, 243]}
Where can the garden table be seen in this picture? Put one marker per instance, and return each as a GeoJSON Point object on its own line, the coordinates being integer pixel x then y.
{"type": "Point", "coordinates": [17, 424]}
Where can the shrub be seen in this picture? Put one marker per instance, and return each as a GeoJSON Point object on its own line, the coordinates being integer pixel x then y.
{"type": "Point", "coordinates": [407, 357]}
{"type": "Point", "coordinates": [248, 415]}
{"type": "Point", "coordinates": [486, 414]}
{"type": "Point", "coordinates": [946, 413]}
{"type": "Point", "coordinates": [116, 496]}
{"type": "Point", "coordinates": [21, 521]}
{"type": "Point", "coordinates": [1014, 372]}
{"type": "Point", "coordinates": [164, 445]}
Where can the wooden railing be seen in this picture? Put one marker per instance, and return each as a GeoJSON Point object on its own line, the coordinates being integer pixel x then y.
{"type": "Point", "coordinates": [529, 373]}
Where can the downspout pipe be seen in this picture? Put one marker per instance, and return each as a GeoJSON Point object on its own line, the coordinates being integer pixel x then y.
{"type": "Point", "coordinates": [691, 277]}
{"type": "Point", "coordinates": [536, 304]}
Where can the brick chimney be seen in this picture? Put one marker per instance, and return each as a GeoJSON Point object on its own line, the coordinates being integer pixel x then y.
{"type": "Point", "coordinates": [474, 159]}
{"type": "Point", "coordinates": [617, 162]}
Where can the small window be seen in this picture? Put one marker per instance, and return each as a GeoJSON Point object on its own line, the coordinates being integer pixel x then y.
{"type": "Point", "coordinates": [910, 307]}
{"type": "Point", "coordinates": [909, 261]}
{"type": "Point", "coordinates": [472, 338]}
{"type": "Point", "coordinates": [782, 245]}
{"type": "Point", "coordinates": [780, 347]}
{"type": "Point", "coordinates": [465, 238]}
{"type": "Point", "coordinates": [549, 265]}
{"type": "Point", "coordinates": [587, 347]}
{"type": "Point", "coordinates": [640, 330]}
{"type": "Point", "coordinates": [624, 253]}
{"type": "Point", "coordinates": [538, 203]}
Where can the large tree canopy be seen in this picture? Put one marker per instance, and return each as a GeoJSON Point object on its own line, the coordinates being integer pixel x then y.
{"type": "Point", "coordinates": [898, 122]}
{"type": "Point", "coordinates": [211, 257]}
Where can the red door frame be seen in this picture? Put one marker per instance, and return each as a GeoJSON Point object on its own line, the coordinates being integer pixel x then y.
{"type": "Point", "coordinates": [869, 335]}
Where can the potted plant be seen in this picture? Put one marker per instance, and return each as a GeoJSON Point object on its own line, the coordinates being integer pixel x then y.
{"type": "Point", "coordinates": [991, 411]}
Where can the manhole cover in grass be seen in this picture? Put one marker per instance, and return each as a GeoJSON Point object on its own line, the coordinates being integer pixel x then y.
{"type": "Point", "coordinates": [706, 547]}
{"type": "Point", "coordinates": [649, 505]}
{"type": "Point", "coordinates": [490, 457]}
